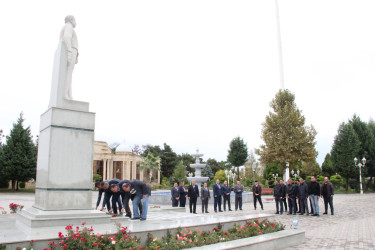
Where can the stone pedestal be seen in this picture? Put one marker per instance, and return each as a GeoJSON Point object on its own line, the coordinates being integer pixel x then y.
{"type": "Point", "coordinates": [64, 168]}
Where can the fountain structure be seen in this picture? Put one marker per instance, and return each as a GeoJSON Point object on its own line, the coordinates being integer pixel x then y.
{"type": "Point", "coordinates": [198, 168]}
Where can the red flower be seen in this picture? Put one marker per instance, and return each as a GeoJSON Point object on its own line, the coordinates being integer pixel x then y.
{"type": "Point", "coordinates": [226, 233]}
{"type": "Point", "coordinates": [32, 241]}
{"type": "Point", "coordinates": [64, 246]}
{"type": "Point", "coordinates": [239, 232]}
{"type": "Point", "coordinates": [83, 223]}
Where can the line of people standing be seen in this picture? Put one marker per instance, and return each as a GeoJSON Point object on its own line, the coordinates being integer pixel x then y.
{"type": "Point", "coordinates": [220, 193]}
{"type": "Point", "coordinates": [298, 195]}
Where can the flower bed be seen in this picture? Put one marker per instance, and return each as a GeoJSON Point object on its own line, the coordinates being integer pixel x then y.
{"type": "Point", "coordinates": [82, 237]}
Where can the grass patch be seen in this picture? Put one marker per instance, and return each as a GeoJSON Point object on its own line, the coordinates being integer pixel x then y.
{"type": "Point", "coordinates": [21, 190]}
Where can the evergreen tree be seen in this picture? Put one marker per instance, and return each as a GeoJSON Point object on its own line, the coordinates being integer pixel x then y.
{"type": "Point", "coordinates": [207, 172]}
{"type": "Point", "coordinates": [311, 169]}
{"type": "Point", "coordinates": [367, 145]}
{"type": "Point", "coordinates": [215, 165]}
{"type": "Point", "coordinates": [285, 135]}
{"type": "Point", "coordinates": [237, 153]}
{"type": "Point", "coordinates": [187, 159]}
{"type": "Point", "coordinates": [345, 147]}
{"type": "Point", "coordinates": [179, 173]}
{"type": "Point", "coordinates": [327, 166]}
{"type": "Point", "coordinates": [168, 161]}
{"type": "Point", "coordinates": [18, 157]}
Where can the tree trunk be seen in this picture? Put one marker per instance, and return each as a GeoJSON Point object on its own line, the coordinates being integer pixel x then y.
{"type": "Point", "coordinates": [17, 185]}
{"type": "Point", "coordinates": [347, 185]}
{"type": "Point", "coordinates": [13, 185]}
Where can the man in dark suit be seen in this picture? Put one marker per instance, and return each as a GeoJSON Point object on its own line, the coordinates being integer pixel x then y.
{"type": "Point", "coordinates": [175, 195]}
{"type": "Point", "coordinates": [284, 198]}
{"type": "Point", "coordinates": [217, 190]}
{"type": "Point", "coordinates": [205, 196]}
{"type": "Point", "coordinates": [303, 193]}
{"type": "Point", "coordinates": [183, 194]}
{"type": "Point", "coordinates": [238, 190]}
{"type": "Point", "coordinates": [193, 194]}
{"type": "Point", "coordinates": [291, 194]}
{"type": "Point", "coordinates": [257, 195]}
{"type": "Point", "coordinates": [226, 195]}
{"type": "Point", "coordinates": [279, 193]}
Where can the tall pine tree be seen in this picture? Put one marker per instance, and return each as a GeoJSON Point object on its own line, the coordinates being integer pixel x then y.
{"type": "Point", "coordinates": [285, 135]}
{"type": "Point", "coordinates": [237, 153]}
{"type": "Point", "coordinates": [18, 159]}
{"type": "Point", "coordinates": [345, 147]}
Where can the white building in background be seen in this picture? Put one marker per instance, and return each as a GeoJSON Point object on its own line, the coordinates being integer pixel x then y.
{"type": "Point", "coordinates": [123, 164]}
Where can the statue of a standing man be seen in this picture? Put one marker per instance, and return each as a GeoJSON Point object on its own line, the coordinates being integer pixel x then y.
{"type": "Point", "coordinates": [69, 38]}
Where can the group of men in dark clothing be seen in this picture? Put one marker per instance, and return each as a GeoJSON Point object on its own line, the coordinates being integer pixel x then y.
{"type": "Point", "coordinates": [220, 192]}
{"type": "Point", "coordinates": [118, 193]}
{"type": "Point", "coordinates": [297, 195]}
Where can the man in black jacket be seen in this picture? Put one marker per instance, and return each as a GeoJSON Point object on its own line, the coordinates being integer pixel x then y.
{"type": "Point", "coordinates": [303, 193]}
{"type": "Point", "coordinates": [183, 194]}
{"type": "Point", "coordinates": [284, 197]}
{"type": "Point", "coordinates": [314, 192]}
{"type": "Point", "coordinates": [226, 195]}
{"type": "Point", "coordinates": [279, 193]}
{"type": "Point", "coordinates": [327, 193]}
{"type": "Point", "coordinates": [105, 187]}
{"type": "Point", "coordinates": [175, 195]}
{"type": "Point", "coordinates": [291, 194]}
{"type": "Point", "coordinates": [140, 191]}
{"type": "Point", "coordinates": [193, 194]}
{"type": "Point", "coordinates": [257, 195]}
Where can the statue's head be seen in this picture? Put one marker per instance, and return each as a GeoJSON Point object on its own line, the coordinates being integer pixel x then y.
{"type": "Point", "coordinates": [70, 19]}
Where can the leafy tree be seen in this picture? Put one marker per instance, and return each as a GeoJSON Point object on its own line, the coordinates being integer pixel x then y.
{"type": "Point", "coordinates": [311, 168]}
{"type": "Point", "coordinates": [179, 173]}
{"type": "Point", "coordinates": [187, 159]}
{"type": "Point", "coordinates": [327, 166]}
{"type": "Point", "coordinates": [285, 135]}
{"type": "Point", "coordinates": [371, 168]}
{"type": "Point", "coordinates": [18, 156]}
{"type": "Point", "coordinates": [345, 147]}
{"type": "Point", "coordinates": [137, 149]}
{"type": "Point", "coordinates": [237, 153]}
{"type": "Point", "coordinates": [207, 172]}
{"type": "Point", "coordinates": [4, 182]}
{"type": "Point", "coordinates": [367, 145]}
{"type": "Point", "coordinates": [215, 165]}
{"type": "Point", "coordinates": [149, 163]}
{"type": "Point", "coordinates": [220, 175]}
{"type": "Point", "coordinates": [271, 169]}
{"type": "Point", "coordinates": [155, 150]}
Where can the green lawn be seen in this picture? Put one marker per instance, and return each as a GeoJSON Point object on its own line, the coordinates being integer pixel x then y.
{"type": "Point", "coordinates": [21, 190]}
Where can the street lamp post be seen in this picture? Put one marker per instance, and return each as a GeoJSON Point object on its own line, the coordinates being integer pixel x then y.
{"type": "Point", "coordinates": [359, 165]}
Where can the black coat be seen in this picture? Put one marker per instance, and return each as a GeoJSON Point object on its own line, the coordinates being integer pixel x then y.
{"type": "Point", "coordinates": [139, 186]}
{"type": "Point", "coordinates": [279, 191]}
{"type": "Point", "coordinates": [175, 193]}
{"type": "Point", "coordinates": [303, 191]}
{"type": "Point", "coordinates": [193, 191]}
{"type": "Point", "coordinates": [291, 191]}
{"type": "Point", "coordinates": [327, 190]}
{"type": "Point", "coordinates": [182, 192]}
{"type": "Point", "coordinates": [314, 188]}
{"type": "Point", "coordinates": [257, 190]}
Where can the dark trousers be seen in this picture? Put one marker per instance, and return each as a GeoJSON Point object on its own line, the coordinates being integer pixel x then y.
{"type": "Point", "coordinates": [107, 200]}
{"type": "Point", "coordinates": [303, 205]}
{"type": "Point", "coordinates": [259, 200]}
{"type": "Point", "coordinates": [174, 202]}
{"type": "Point", "coordinates": [226, 199]}
{"type": "Point", "coordinates": [204, 204]}
{"type": "Point", "coordinates": [285, 206]}
{"type": "Point", "coordinates": [279, 203]}
{"type": "Point", "coordinates": [125, 201]}
{"type": "Point", "coordinates": [193, 204]}
{"type": "Point", "coordinates": [182, 201]}
{"type": "Point", "coordinates": [328, 200]}
{"type": "Point", "coordinates": [217, 201]}
{"type": "Point", "coordinates": [116, 199]}
{"type": "Point", "coordinates": [292, 205]}
{"type": "Point", "coordinates": [238, 202]}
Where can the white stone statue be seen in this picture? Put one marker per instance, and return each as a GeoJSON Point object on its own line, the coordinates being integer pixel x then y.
{"type": "Point", "coordinates": [69, 37]}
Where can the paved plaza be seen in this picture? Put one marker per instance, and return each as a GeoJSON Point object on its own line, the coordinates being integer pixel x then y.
{"type": "Point", "coordinates": [352, 226]}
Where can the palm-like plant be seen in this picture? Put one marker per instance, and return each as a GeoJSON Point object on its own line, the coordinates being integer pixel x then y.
{"type": "Point", "coordinates": [149, 163]}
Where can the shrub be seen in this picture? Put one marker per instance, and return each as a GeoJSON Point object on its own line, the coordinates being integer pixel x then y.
{"type": "Point", "coordinates": [22, 184]}
{"type": "Point", "coordinates": [96, 177]}
{"type": "Point", "coordinates": [336, 180]}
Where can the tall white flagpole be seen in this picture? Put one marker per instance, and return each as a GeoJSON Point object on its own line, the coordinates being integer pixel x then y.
{"type": "Point", "coordinates": [279, 45]}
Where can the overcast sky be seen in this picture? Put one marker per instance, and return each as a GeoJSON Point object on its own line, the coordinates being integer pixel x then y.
{"type": "Point", "coordinates": [193, 74]}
